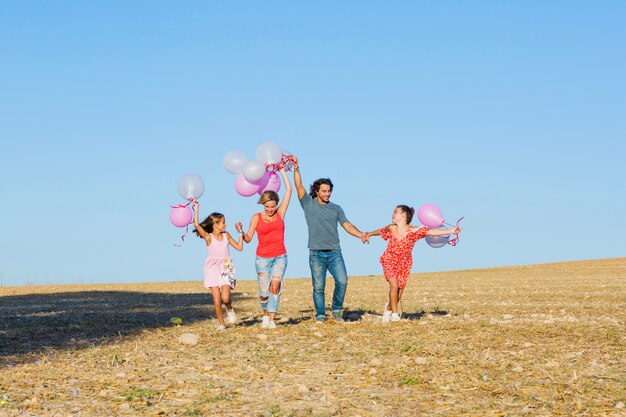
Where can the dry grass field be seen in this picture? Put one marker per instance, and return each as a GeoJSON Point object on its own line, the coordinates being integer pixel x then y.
{"type": "Point", "coordinates": [518, 341]}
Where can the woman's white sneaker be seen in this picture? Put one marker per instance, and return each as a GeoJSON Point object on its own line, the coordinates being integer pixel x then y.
{"type": "Point", "coordinates": [395, 317]}
{"type": "Point", "coordinates": [265, 322]}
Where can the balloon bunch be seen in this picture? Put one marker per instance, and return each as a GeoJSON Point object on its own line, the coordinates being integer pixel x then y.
{"type": "Point", "coordinates": [430, 216]}
{"type": "Point", "coordinates": [255, 176]}
{"type": "Point", "coordinates": [190, 187]}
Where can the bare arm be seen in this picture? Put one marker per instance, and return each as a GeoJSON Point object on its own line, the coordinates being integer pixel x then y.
{"type": "Point", "coordinates": [375, 232]}
{"type": "Point", "coordinates": [352, 229]}
{"type": "Point", "coordinates": [297, 179]}
{"type": "Point", "coordinates": [441, 232]}
{"type": "Point", "coordinates": [247, 237]}
{"type": "Point", "coordinates": [238, 244]}
{"type": "Point", "coordinates": [203, 233]}
{"type": "Point", "coordinates": [282, 209]}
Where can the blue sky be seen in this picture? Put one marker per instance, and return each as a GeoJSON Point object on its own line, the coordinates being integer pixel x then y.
{"type": "Point", "coordinates": [512, 114]}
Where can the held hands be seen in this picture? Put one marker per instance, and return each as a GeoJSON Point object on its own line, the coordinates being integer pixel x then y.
{"type": "Point", "coordinates": [365, 238]}
{"type": "Point", "coordinates": [238, 227]}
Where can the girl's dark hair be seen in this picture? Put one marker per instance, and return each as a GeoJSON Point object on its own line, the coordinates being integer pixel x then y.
{"type": "Point", "coordinates": [208, 223]}
{"type": "Point", "coordinates": [409, 211]}
{"type": "Point", "coordinates": [315, 187]}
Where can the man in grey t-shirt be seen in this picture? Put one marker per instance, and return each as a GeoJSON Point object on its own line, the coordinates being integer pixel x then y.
{"type": "Point", "coordinates": [322, 218]}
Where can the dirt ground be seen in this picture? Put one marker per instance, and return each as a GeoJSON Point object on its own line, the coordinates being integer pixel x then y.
{"type": "Point", "coordinates": [518, 341]}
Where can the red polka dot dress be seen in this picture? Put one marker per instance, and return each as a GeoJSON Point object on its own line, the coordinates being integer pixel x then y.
{"type": "Point", "coordinates": [397, 259]}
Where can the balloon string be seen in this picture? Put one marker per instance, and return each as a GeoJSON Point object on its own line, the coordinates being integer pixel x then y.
{"type": "Point", "coordinates": [183, 205]}
{"type": "Point", "coordinates": [191, 200]}
{"type": "Point", "coordinates": [182, 238]}
{"type": "Point", "coordinates": [286, 162]}
{"type": "Point", "coordinates": [454, 241]}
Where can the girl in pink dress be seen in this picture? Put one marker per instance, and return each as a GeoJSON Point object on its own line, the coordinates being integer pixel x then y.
{"type": "Point", "coordinates": [397, 259]}
{"type": "Point", "coordinates": [219, 270]}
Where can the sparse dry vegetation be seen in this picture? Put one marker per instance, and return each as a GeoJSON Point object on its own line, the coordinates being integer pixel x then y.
{"type": "Point", "coordinates": [532, 340]}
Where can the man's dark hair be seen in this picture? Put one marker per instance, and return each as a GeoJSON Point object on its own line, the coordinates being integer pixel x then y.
{"type": "Point", "coordinates": [315, 187]}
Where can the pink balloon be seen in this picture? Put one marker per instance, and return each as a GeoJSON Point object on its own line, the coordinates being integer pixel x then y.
{"type": "Point", "coordinates": [273, 183]}
{"type": "Point", "coordinates": [245, 188]}
{"type": "Point", "coordinates": [262, 183]}
{"type": "Point", "coordinates": [181, 215]}
{"type": "Point", "coordinates": [430, 216]}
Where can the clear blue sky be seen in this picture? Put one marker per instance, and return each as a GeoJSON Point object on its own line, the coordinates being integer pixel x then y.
{"type": "Point", "coordinates": [512, 114]}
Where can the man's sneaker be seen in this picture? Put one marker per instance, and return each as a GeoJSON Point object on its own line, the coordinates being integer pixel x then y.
{"type": "Point", "coordinates": [320, 319]}
{"type": "Point", "coordinates": [395, 317]}
{"type": "Point", "coordinates": [338, 317]}
{"type": "Point", "coordinates": [231, 317]}
{"type": "Point", "coordinates": [272, 325]}
{"type": "Point", "coordinates": [265, 322]}
{"type": "Point", "coordinates": [220, 327]}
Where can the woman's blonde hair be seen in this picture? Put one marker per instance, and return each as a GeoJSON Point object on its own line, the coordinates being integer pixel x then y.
{"type": "Point", "coordinates": [268, 196]}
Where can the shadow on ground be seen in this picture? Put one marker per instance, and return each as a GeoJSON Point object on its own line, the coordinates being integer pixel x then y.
{"type": "Point", "coordinates": [419, 314]}
{"type": "Point", "coordinates": [31, 324]}
{"type": "Point", "coordinates": [356, 315]}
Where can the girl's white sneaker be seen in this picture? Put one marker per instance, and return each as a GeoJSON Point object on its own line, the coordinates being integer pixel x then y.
{"type": "Point", "coordinates": [265, 322]}
{"type": "Point", "coordinates": [395, 317]}
{"type": "Point", "coordinates": [231, 317]}
{"type": "Point", "coordinates": [220, 327]}
{"type": "Point", "coordinates": [386, 314]}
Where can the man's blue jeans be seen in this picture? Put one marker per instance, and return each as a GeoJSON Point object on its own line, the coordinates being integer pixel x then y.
{"type": "Point", "coordinates": [322, 261]}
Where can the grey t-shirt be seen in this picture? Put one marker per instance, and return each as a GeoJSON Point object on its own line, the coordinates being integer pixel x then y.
{"type": "Point", "coordinates": [322, 221]}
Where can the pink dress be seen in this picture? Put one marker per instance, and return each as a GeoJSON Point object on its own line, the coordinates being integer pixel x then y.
{"type": "Point", "coordinates": [219, 269]}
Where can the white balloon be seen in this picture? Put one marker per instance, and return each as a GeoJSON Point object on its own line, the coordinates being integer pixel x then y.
{"type": "Point", "coordinates": [253, 171]}
{"type": "Point", "coordinates": [190, 186]}
{"type": "Point", "coordinates": [269, 153]}
{"type": "Point", "coordinates": [234, 161]}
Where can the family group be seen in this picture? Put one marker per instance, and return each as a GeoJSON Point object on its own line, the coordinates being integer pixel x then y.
{"type": "Point", "coordinates": [323, 218]}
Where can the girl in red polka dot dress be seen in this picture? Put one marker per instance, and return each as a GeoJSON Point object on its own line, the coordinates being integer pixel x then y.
{"type": "Point", "coordinates": [397, 259]}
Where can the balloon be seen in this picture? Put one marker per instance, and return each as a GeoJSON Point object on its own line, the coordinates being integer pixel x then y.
{"type": "Point", "coordinates": [245, 188]}
{"type": "Point", "coordinates": [253, 171]}
{"type": "Point", "coordinates": [269, 153]}
{"type": "Point", "coordinates": [234, 161]}
{"type": "Point", "coordinates": [190, 186]}
{"type": "Point", "coordinates": [437, 241]}
{"type": "Point", "coordinates": [273, 183]}
{"type": "Point", "coordinates": [262, 183]}
{"type": "Point", "coordinates": [180, 215]}
{"type": "Point", "coordinates": [430, 216]}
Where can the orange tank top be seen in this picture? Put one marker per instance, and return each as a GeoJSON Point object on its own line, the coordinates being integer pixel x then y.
{"type": "Point", "coordinates": [271, 237]}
